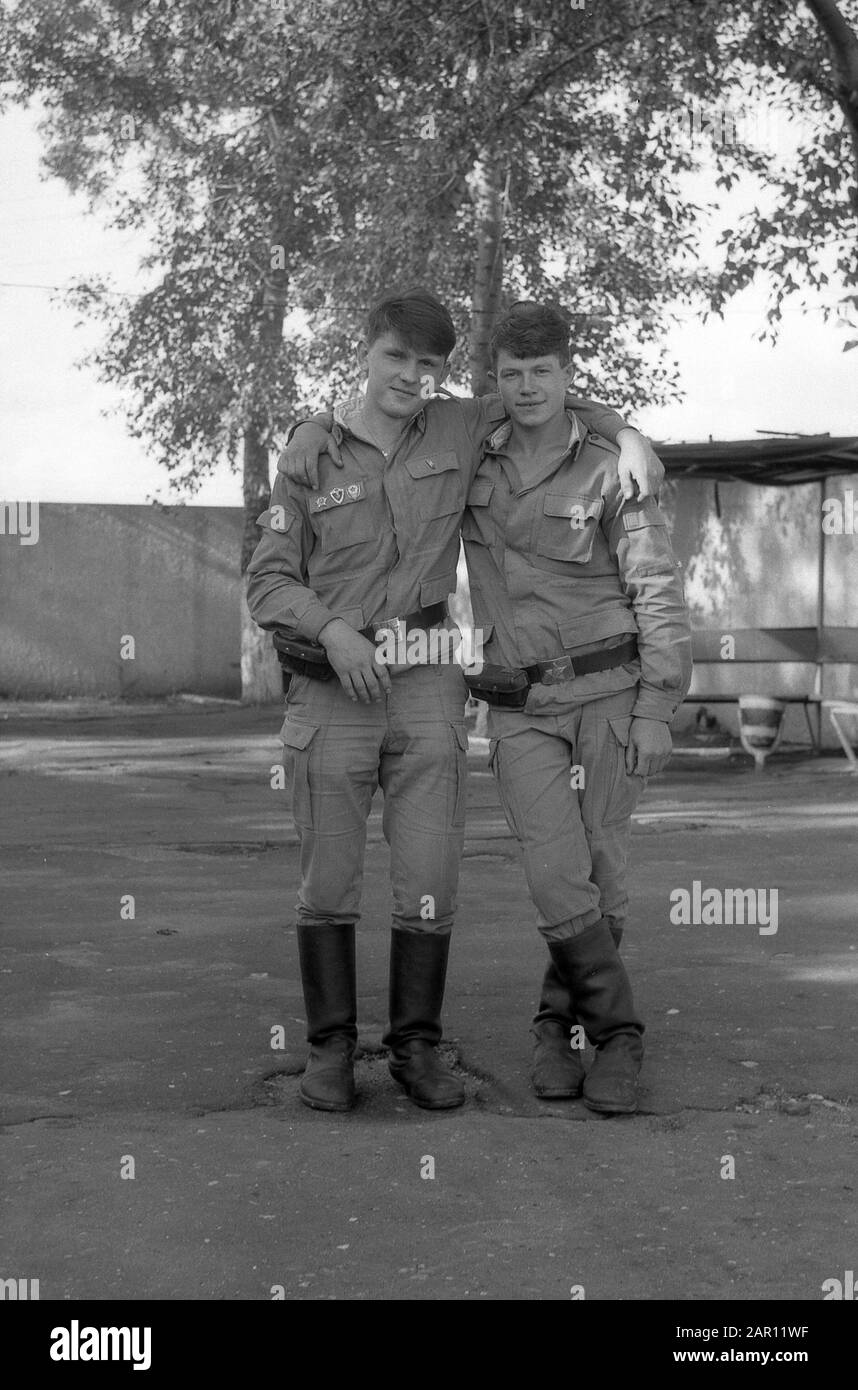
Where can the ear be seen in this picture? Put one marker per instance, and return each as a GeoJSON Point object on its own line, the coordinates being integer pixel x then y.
{"type": "Point", "coordinates": [493, 375]}
{"type": "Point", "coordinates": [444, 373]}
{"type": "Point", "coordinates": [568, 373]}
{"type": "Point", "coordinates": [362, 353]}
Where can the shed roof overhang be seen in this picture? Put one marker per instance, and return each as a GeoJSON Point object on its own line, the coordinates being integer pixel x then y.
{"type": "Point", "coordinates": [784, 462]}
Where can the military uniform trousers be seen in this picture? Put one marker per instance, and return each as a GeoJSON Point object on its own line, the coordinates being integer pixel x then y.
{"type": "Point", "coordinates": [574, 837]}
{"type": "Point", "coordinates": [413, 744]}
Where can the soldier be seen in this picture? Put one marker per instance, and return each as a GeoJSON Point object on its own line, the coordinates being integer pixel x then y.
{"type": "Point", "coordinates": [372, 551]}
{"type": "Point", "coordinates": [588, 650]}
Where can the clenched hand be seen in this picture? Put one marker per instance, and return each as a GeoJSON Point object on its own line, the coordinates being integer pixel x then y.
{"type": "Point", "coordinates": [650, 746]}
{"type": "Point", "coordinates": [354, 659]}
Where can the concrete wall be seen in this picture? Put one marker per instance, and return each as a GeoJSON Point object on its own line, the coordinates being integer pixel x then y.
{"type": "Point", "coordinates": [96, 574]}
{"type": "Point", "coordinates": [169, 578]}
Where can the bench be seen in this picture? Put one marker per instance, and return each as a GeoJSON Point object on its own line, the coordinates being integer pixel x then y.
{"type": "Point", "coordinates": [753, 646]}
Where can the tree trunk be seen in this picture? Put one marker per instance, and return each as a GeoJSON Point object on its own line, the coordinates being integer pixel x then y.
{"type": "Point", "coordinates": [843, 46]}
{"type": "Point", "coordinates": [486, 192]}
{"type": "Point", "coordinates": [261, 675]}
{"type": "Point", "coordinates": [261, 678]}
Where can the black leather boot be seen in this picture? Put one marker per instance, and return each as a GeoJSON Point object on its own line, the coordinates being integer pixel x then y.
{"type": "Point", "coordinates": [558, 1068]}
{"type": "Point", "coordinates": [327, 955]}
{"type": "Point", "coordinates": [418, 971]}
{"type": "Point", "coordinates": [597, 981]}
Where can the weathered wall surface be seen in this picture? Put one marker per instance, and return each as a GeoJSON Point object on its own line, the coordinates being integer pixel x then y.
{"type": "Point", "coordinates": [755, 565]}
{"type": "Point", "coordinates": [98, 574]}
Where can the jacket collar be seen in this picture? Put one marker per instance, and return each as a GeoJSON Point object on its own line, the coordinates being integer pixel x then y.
{"type": "Point", "coordinates": [499, 438]}
{"type": "Point", "coordinates": [349, 419]}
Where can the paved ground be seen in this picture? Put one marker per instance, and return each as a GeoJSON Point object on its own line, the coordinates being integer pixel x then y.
{"type": "Point", "coordinates": [149, 1039]}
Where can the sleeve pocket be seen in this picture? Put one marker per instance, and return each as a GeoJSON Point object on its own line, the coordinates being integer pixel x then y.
{"type": "Point", "coordinates": [634, 521]}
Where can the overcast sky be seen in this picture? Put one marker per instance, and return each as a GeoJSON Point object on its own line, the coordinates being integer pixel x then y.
{"type": "Point", "coordinates": [58, 445]}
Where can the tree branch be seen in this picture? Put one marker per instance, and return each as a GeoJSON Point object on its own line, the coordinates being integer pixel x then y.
{"type": "Point", "coordinates": [841, 37]}
{"type": "Point", "coordinates": [843, 47]}
{"type": "Point", "coordinates": [544, 77]}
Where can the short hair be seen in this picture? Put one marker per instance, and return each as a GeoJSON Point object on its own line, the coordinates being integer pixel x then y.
{"type": "Point", "coordinates": [419, 318]}
{"type": "Point", "coordinates": [528, 329]}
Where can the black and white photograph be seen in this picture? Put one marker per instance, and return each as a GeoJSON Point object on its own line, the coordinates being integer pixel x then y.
{"type": "Point", "coordinates": [429, 667]}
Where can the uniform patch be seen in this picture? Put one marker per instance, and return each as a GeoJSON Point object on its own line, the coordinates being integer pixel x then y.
{"type": "Point", "coordinates": [338, 497]}
{"type": "Point", "coordinates": [634, 521]}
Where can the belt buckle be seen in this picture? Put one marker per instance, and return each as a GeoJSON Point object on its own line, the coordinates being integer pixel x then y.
{"type": "Point", "coordinates": [393, 627]}
{"type": "Point", "coordinates": [560, 669]}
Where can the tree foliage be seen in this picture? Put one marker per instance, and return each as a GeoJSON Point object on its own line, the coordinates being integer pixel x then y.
{"type": "Point", "coordinates": [799, 65]}
{"type": "Point", "coordinates": [308, 155]}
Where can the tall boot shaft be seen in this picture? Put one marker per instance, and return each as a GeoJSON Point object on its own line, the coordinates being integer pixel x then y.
{"type": "Point", "coordinates": [596, 978]}
{"type": "Point", "coordinates": [327, 955]}
{"type": "Point", "coordinates": [418, 973]}
{"type": "Point", "coordinates": [556, 1004]}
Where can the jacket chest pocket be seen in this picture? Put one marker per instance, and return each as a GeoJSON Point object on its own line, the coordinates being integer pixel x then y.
{"type": "Point", "coordinates": [344, 525]}
{"type": "Point", "coordinates": [479, 524]}
{"type": "Point", "coordinates": [567, 527]}
{"type": "Point", "coordinates": [437, 484]}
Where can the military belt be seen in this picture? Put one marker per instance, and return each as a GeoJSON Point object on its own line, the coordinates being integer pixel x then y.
{"type": "Point", "coordinates": [304, 657]}
{"type": "Point", "coordinates": [399, 628]}
{"type": "Point", "coordinates": [505, 689]}
{"type": "Point", "coordinates": [563, 668]}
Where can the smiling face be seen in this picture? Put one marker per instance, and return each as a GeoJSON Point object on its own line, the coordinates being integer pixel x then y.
{"type": "Point", "coordinates": [400, 376]}
{"type": "Point", "coordinates": [533, 389]}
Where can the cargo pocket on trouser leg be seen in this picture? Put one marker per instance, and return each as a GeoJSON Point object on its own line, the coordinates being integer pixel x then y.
{"type": "Point", "coordinates": [609, 815]}
{"type": "Point", "coordinates": [504, 781]}
{"type": "Point", "coordinates": [624, 788]}
{"type": "Point", "coordinates": [460, 736]}
{"type": "Point", "coordinates": [494, 748]}
{"type": "Point", "coordinates": [296, 738]}
{"type": "Point", "coordinates": [532, 773]}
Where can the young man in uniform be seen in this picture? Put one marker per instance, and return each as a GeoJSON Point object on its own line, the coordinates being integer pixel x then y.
{"type": "Point", "coordinates": [372, 551]}
{"type": "Point", "coordinates": [579, 596]}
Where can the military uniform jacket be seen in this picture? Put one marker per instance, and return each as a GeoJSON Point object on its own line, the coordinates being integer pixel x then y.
{"type": "Point", "coordinates": [561, 563]}
{"type": "Point", "coordinates": [379, 539]}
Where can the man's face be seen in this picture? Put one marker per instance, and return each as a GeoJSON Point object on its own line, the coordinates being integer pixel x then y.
{"type": "Point", "coordinates": [532, 388]}
{"type": "Point", "coordinates": [400, 377]}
